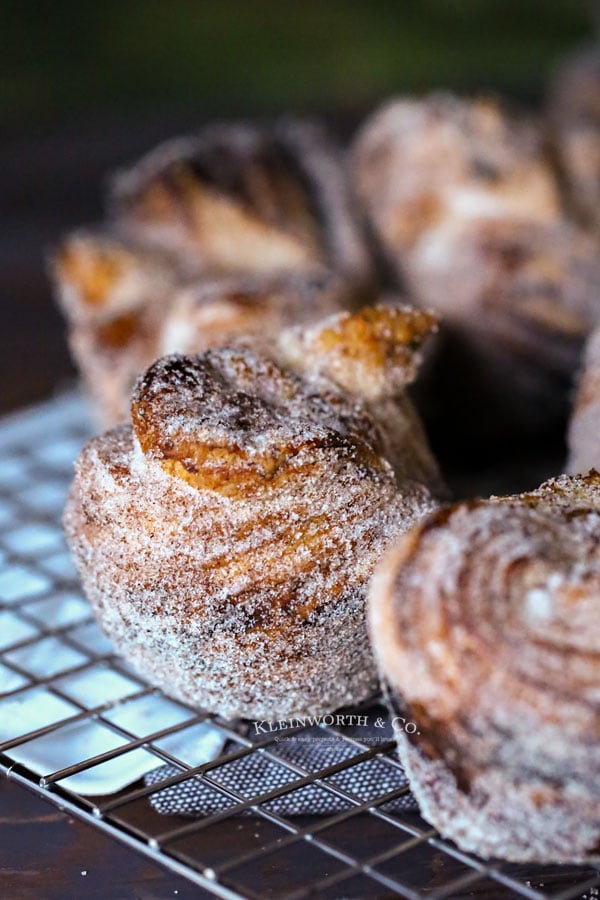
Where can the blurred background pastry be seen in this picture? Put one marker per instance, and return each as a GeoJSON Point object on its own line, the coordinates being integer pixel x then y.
{"type": "Point", "coordinates": [126, 305]}
{"type": "Point", "coordinates": [115, 295]}
{"type": "Point", "coordinates": [469, 213]}
{"type": "Point", "coordinates": [245, 197]}
{"type": "Point", "coordinates": [573, 106]}
{"type": "Point", "coordinates": [266, 207]}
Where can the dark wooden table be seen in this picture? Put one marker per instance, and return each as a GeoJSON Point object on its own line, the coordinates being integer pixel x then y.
{"type": "Point", "coordinates": [47, 855]}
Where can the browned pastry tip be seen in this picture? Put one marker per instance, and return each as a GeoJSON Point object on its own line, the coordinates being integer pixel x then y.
{"type": "Point", "coordinates": [371, 353]}
{"type": "Point", "coordinates": [98, 276]}
{"type": "Point", "coordinates": [90, 270]}
{"type": "Point", "coordinates": [244, 197]}
{"type": "Point", "coordinates": [584, 427]}
{"type": "Point", "coordinates": [226, 540]}
{"type": "Point", "coordinates": [485, 623]}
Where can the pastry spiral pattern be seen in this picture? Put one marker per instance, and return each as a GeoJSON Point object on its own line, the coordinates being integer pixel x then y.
{"type": "Point", "coordinates": [226, 538]}
{"type": "Point", "coordinates": [485, 622]}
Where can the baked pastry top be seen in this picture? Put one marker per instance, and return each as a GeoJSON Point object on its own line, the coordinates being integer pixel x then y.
{"type": "Point", "coordinates": [234, 422]}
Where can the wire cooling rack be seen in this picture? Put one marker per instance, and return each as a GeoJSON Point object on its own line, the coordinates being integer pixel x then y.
{"type": "Point", "coordinates": [63, 692]}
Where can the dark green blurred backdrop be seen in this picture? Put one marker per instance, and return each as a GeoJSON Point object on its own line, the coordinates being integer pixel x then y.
{"type": "Point", "coordinates": [61, 60]}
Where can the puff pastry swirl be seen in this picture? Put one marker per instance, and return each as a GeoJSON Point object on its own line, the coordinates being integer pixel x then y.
{"type": "Point", "coordinates": [486, 625]}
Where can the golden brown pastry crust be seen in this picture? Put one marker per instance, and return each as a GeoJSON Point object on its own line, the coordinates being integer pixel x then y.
{"type": "Point", "coordinates": [373, 354]}
{"type": "Point", "coordinates": [237, 424]}
{"type": "Point", "coordinates": [485, 624]}
{"type": "Point", "coordinates": [226, 540]}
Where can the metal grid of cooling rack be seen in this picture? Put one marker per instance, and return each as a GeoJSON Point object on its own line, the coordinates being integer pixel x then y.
{"type": "Point", "coordinates": [56, 666]}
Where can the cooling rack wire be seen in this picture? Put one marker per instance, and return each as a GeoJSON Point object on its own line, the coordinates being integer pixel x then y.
{"type": "Point", "coordinates": [63, 694]}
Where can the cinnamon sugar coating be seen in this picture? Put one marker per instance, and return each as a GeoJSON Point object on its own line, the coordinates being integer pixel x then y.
{"type": "Point", "coordinates": [373, 354]}
{"type": "Point", "coordinates": [235, 423]}
{"type": "Point", "coordinates": [226, 539]}
{"type": "Point", "coordinates": [468, 211]}
{"type": "Point", "coordinates": [485, 623]}
{"type": "Point", "coordinates": [584, 427]}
